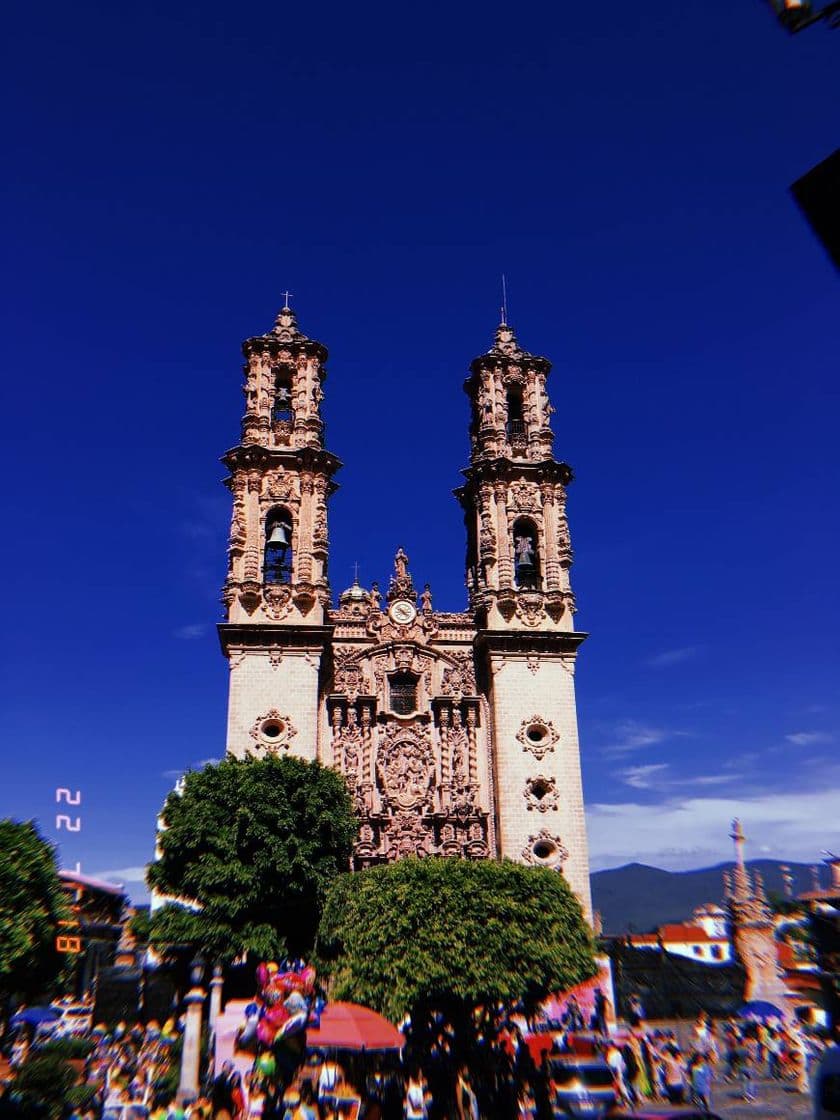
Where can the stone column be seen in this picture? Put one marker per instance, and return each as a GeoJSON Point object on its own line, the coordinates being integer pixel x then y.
{"type": "Point", "coordinates": [216, 986]}
{"type": "Point", "coordinates": [305, 523]}
{"type": "Point", "coordinates": [191, 1053]}
{"type": "Point", "coordinates": [504, 561]}
{"type": "Point", "coordinates": [552, 564]}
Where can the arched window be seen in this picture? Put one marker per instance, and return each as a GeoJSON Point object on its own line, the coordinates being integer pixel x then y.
{"type": "Point", "coordinates": [282, 408]}
{"type": "Point", "coordinates": [515, 416]}
{"type": "Point", "coordinates": [277, 567]}
{"type": "Point", "coordinates": [526, 554]}
{"type": "Point", "coordinates": [403, 693]}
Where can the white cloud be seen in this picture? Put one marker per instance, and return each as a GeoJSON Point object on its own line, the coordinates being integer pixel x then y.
{"type": "Point", "coordinates": [708, 780]}
{"type": "Point", "coordinates": [122, 875]}
{"type": "Point", "coordinates": [642, 777]}
{"type": "Point", "coordinates": [670, 657]}
{"type": "Point", "coordinates": [174, 775]}
{"type": "Point", "coordinates": [632, 736]}
{"type": "Point", "coordinates": [790, 825]}
{"type": "Point", "coordinates": [807, 738]}
{"type": "Point", "coordinates": [190, 632]}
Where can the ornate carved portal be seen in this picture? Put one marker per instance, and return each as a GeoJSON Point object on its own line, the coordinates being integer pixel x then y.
{"type": "Point", "coordinates": [414, 778]}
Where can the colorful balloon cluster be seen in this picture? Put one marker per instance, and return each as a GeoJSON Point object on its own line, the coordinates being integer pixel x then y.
{"type": "Point", "coordinates": [287, 1003]}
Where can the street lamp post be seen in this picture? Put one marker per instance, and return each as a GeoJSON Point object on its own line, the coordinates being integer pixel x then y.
{"type": "Point", "coordinates": [796, 15]}
{"type": "Point", "coordinates": [191, 1052]}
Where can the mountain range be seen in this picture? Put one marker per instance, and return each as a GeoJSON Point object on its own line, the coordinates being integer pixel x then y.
{"type": "Point", "coordinates": [636, 898]}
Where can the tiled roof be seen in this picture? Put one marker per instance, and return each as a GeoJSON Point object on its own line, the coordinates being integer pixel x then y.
{"type": "Point", "coordinates": [71, 877]}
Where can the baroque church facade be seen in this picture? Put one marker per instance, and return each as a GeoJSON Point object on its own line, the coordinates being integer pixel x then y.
{"type": "Point", "coordinates": [456, 731]}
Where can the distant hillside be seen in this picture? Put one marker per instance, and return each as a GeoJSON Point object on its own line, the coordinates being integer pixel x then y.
{"type": "Point", "coordinates": [638, 898]}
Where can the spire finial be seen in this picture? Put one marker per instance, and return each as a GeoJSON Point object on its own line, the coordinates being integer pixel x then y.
{"type": "Point", "coordinates": [740, 881]}
{"type": "Point", "coordinates": [287, 295]}
{"type": "Point", "coordinates": [356, 572]}
{"type": "Point", "coordinates": [504, 301]}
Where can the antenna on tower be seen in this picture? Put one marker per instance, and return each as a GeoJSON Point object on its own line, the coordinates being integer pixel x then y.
{"type": "Point", "coordinates": [504, 301]}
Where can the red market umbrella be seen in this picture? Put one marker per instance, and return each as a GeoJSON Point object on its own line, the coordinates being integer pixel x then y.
{"type": "Point", "coordinates": [349, 1026]}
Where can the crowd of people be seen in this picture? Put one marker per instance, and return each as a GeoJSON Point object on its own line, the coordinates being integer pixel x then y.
{"type": "Point", "coordinates": [455, 1065]}
{"type": "Point", "coordinates": [656, 1065]}
{"type": "Point", "coordinates": [479, 1068]}
{"type": "Point", "coordinates": [123, 1068]}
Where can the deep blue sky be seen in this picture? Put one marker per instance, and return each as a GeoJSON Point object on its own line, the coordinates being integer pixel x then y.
{"type": "Point", "coordinates": [171, 169]}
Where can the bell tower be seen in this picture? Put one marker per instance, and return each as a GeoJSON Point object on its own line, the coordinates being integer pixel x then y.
{"type": "Point", "coordinates": [277, 593]}
{"type": "Point", "coordinates": [517, 573]}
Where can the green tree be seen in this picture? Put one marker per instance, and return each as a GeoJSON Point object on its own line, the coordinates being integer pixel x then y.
{"type": "Point", "coordinates": [140, 926]}
{"type": "Point", "coordinates": [32, 902]}
{"type": "Point", "coordinates": [43, 1086]}
{"type": "Point", "coordinates": [254, 844]}
{"type": "Point", "coordinates": [453, 934]}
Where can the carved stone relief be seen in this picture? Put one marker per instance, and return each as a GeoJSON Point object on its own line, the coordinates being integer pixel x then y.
{"type": "Point", "coordinates": [529, 608]}
{"type": "Point", "coordinates": [459, 679]}
{"type": "Point", "coordinates": [280, 486]}
{"type": "Point", "coordinates": [541, 794]}
{"type": "Point", "coordinates": [272, 730]}
{"type": "Point", "coordinates": [537, 735]}
{"type": "Point", "coordinates": [526, 497]}
{"type": "Point", "coordinates": [405, 767]}
{"type": "Point", "coordinates": [407, 835]}
{"type": "Point", "coordinates": [544, 849]}
{"type": "Point", "coordinates": [349, 679]}
{"type": "Point", "coordinates": [277, 599]}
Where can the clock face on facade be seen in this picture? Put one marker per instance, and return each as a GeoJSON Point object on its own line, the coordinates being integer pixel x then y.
{"type": "Point", "coordinates": [402, 612]}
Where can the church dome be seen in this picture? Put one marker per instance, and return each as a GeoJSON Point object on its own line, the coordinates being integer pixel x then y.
{"type": "Point", "coordinates": [353, 595]}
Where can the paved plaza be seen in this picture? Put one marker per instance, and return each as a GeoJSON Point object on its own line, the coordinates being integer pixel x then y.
{"type": "Point", "coordinates": [776, 1101]}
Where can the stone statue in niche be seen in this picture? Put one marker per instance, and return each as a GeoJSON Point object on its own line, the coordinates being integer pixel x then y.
{"type": "Point", "coordinates": [351, 741]}
{"type": "Point", "coordinates": [237, 531]}
{"type": "Point", "coordinates": [459, 745]}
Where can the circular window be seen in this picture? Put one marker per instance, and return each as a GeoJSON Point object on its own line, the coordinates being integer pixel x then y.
{"type": "Point", "coordinates": [272, 728]}
{"type": "Point", "coordinates": [544, 850]}
{"type": "Point", "coordinates": [536, 733]}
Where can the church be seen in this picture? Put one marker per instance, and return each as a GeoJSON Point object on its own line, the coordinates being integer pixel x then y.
{"type": "Point", "coordinates": [456, 731]}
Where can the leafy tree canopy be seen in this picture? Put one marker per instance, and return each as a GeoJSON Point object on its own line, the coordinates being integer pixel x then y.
{"type": "Point", "coordinates": [43, 1086]}
{"type": "Point", "coordinates": [32, 902]}
{"type": "Point", "coordinates": [255, 844]}
{"type": "Point", "coordinates": [422, 931]}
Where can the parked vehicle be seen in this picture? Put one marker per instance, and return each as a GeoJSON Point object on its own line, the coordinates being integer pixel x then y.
{"type": "Point", "coordinates": [70, 1019]}
{"type": "Point", "coordinates": [580, 1086]}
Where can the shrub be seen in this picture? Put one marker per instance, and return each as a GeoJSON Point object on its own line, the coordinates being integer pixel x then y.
{"type": "Point", "coordinates": [44, 1082]}
{"type": "Point", "coordinates": [68, 1048]}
